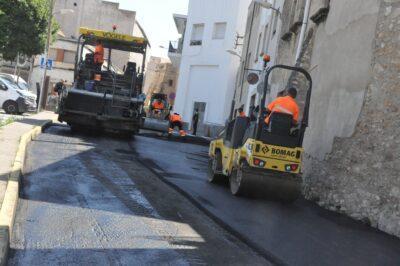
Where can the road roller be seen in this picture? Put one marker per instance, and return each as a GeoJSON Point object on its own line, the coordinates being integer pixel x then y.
{"type": "Point", "coordinates": [260, 158]}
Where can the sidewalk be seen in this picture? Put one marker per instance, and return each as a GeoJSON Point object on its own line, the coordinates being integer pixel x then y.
{"type": "Point", "coordinates": [9, 141]}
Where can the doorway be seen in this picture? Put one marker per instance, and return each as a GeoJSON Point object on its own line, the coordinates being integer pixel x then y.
{"type": "Point", "coordinates": [201, 107]}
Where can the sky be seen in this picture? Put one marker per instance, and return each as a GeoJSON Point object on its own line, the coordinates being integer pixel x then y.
{"type": "Point", "coordinates": [155, 16]}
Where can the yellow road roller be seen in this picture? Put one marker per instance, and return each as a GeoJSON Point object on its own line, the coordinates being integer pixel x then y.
{"type": "Point", "coordinates": [259, 158]}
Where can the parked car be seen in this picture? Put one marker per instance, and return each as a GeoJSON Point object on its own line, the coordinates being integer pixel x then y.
{"type": "Point", "coordinates": [15, 100]}
{"type": "Point", "coordinates": [20, 82]}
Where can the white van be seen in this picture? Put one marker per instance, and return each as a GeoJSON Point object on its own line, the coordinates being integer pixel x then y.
{"type": "Point", "coordinates": [15, 100]}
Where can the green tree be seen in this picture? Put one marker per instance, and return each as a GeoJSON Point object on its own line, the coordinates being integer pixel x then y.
{"type": "Point", "coordinates": [23, 27]}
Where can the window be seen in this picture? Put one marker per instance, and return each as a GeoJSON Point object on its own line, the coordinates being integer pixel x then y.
{"type": "Point", "coordinates": [197, 34]}
{"type": "Point", "coordinates": [60, 55]}
{"type": "Point", "coordinates": [256, 9]}
{"type": "Point", "coordinates": [275, 23]}
{"type": "Point", "coordinates": [170, 82]}
{"type": "Point", "coordinates": [265, 41]}
{"type": "Point", "coordinates": [69, 57]}
{"type": "Point", "coordinates": [219, 31]}
{"type": "Point", "coordinates": [258, 48]}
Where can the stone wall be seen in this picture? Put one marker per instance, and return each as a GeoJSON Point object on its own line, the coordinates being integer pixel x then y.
{"type": "Point", "coordinates": [361, 176]}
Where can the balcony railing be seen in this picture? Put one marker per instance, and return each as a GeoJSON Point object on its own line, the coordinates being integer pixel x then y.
{"type": "Point", "coordinates": [175, 47]}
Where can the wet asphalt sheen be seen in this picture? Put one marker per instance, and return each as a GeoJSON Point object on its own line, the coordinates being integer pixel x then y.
{"type": "Point", "coordinates": [301, 233]}
{"type": "Point", "coordinates": [87, 200]}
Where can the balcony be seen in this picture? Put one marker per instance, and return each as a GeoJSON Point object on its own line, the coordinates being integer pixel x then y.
{"type": "Point", "coordinates": [175, 47]}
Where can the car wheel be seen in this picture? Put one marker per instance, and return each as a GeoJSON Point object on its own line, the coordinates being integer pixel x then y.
{"type": "Point", "coordinates": [10, 107]}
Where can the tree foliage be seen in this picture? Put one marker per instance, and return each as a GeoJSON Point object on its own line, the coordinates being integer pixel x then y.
{"type": "Point", "coordinates": [23, 27]}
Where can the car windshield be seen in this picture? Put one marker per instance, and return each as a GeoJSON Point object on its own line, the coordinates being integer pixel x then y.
{"type": "Point", "coordinates": [9, 84]}
{"type": "Point", "coordinates": [21, 82]}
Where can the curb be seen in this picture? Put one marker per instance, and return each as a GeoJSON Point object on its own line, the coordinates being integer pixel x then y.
{"type": "Point", "coordinates": [11, 197]}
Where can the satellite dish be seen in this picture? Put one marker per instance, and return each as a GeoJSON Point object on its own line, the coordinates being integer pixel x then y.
{"type": "Point", "coordinates": [253, 78]}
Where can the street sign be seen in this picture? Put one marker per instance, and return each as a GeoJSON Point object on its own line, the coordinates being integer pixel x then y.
{"type": "Point", "coordinates": [49, 63]}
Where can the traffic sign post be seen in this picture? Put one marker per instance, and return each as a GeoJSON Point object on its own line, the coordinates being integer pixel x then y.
{"type": "Point", "coordinates": [48, 64]}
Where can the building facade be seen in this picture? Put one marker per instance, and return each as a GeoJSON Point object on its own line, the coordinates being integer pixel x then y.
{"type": "Point", "coordinates": [350, 49]}
{"type": "Point", "coordinates": [175, 47]}
{"type": "Point", "coordinates": [161, 77]}
{"type": "Point", "coordinates": [208, 72]}
{"type": "Point", "coordinates": [255, 45]}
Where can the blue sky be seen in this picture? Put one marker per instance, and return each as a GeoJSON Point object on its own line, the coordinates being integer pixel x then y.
{"type": "Point", "coordinates": [155, 16]}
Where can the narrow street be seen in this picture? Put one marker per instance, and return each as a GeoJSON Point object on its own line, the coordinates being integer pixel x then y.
{"type": "Point", "coordinates": [87, 200]}
{"type": "Point", "coordinates": [94, 200]}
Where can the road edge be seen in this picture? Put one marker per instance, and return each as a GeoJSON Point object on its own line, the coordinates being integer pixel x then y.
{"type": "Point", "coordinates": [11, 197]}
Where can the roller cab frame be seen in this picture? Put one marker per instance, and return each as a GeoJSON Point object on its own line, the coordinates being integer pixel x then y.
{"type": "Point", "coordinates": [105, 99]}
{"type": "Point", "coordinates": [259, 158]}
{"type": "Point", "coordinates": [162, 113]}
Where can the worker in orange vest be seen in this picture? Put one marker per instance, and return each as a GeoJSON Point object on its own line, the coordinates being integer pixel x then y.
{"type": "Point", "coordinates": [241, 112]}
{"type": "Point", "coordinates": [175, 120]}
{"type": "Point", "coordinates": [99, 54]}
{"type": "Point", "coordinates": [285, 104]}
{"type": "Point", "coordinates": [158, 105]}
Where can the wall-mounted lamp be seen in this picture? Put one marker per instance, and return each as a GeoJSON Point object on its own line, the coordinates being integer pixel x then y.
{"type": "Point", "coordinates": [267, 5]}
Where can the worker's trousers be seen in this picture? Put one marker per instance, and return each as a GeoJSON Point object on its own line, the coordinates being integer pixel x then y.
{"type": "Point", "coordinates": [176, 124]}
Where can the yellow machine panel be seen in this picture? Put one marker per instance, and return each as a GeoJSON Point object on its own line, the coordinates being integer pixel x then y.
{"type": "Point", "coordinates": [272, 157]}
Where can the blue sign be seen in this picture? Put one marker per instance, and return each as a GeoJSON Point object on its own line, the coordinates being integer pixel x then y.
{"type": "Point", "coordinates": [49, 63]}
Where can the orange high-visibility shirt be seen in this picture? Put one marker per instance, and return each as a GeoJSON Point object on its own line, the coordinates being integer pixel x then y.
{"type": "Point", "coordinates": [99, 54]}
{"type": "Point", "coordinates": [286, 105]}
{"type": "Point", "coordinates": [158, 106]}
{"type": "Point", "coordinates": [175, 118]}
{"type": "Point", "coordinates": [242, 114]}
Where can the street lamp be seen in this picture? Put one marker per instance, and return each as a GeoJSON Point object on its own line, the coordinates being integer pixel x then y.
{"type": "Point", "coordinates": [234, 53]}
{"type": "Point", "coordinates": [46, 53]}
{"type": "Point", "coordinates": [267, 5]}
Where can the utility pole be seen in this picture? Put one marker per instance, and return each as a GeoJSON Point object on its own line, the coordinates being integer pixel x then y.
{"type": "Point", "coordinates": [46, 53]}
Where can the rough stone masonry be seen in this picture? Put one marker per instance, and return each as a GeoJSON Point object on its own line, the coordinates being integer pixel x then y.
{"type": "Point", "coordinates": [361, 177]}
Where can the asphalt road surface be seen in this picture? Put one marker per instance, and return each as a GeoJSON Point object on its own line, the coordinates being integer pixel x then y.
{"type": "Point", "coordinates": [293, 234]}
{"type": "Point", "coordinates": [87, 200]}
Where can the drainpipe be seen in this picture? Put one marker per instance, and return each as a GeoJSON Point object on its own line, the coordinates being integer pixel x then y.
{"type": "Point", "coordinates": [303, 29]}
